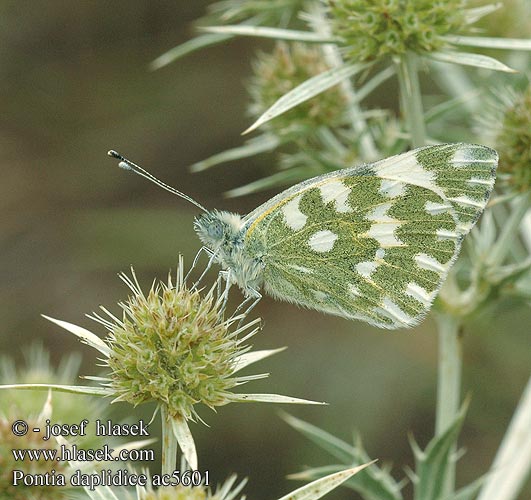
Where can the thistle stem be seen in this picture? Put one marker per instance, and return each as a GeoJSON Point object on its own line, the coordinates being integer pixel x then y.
{"type": "Point", "coordinates": [411, 98]}
{"type": "Point", "coordinates": [169, 443]}
{"type": "Point", "coordinates": [449, 383]}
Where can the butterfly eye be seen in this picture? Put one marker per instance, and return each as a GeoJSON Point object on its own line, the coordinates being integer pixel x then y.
{"type": "Point", "coordinates": [215, 230]}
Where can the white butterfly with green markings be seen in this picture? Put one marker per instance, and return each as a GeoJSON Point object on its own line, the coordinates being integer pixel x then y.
{"type": "Point", "coordinates": [373, 242]}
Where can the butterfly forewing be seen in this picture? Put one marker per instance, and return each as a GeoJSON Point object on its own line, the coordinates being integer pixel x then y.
{"type": "Point", "coordinates": [373, 242]}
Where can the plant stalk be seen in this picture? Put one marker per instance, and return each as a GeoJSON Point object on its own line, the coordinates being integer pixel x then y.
{"type": "Point", "coordinates": [411, 98]}
{"type": "Point", "coordinates": [169, 443]}
{"type": "Point", "coordinates": [449, 384]}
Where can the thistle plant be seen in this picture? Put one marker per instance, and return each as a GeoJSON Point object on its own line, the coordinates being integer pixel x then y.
{"type": "Point", "coordinates": [377, 483]}
{"type": "Point", "coordinates": [422, 34]}
{"type": "Point", "coordinates": [499, 266]}
{"type": "Point", "coordinates": [183, 353]}
{"type": "Point", "coordinates": [175, 347]}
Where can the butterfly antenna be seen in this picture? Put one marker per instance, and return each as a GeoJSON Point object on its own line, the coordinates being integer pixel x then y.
{"type": "Point", "coordinates": [133, 167]}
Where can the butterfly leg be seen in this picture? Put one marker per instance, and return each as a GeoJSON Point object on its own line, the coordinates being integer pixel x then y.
{"type": "Point", "coordinates": [202, 250]}
{"type": "Point", "coordinates": [211, 258]}
{"type": "Point", "coordinates": [253, 298]}
{"type": "Point", "coordinates": [224, 275]}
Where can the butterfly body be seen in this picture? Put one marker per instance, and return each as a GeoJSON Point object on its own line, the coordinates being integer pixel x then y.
{"type": "Point", "coordinates": [224, 234]}
{"type": "Point", "coordinates": [373, 242]}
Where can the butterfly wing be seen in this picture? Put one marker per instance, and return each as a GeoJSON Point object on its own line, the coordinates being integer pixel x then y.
{"type": "Point", "coordinates": [373, 242]}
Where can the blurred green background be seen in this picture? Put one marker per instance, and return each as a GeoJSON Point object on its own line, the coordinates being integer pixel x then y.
{"type": "Point", "coordinates": [74, 82]}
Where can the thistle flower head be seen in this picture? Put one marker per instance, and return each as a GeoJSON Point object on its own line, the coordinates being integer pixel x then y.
{"type": "Point", "coordinates": [513, 142]}
{"type": "Point", "coordinates": [173, 346]}
{"type": "Point", "coordinates": [278, 72]}
{"type": "Point", "coordinates": [374, 29]}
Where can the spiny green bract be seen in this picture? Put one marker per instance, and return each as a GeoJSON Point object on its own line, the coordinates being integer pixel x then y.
{"type": "Point", "coordinates": [514, 142]}
{"type": "Point", "coordinates": [280, 71]}
{"type": "Point", "coordinates": [174, 347]}
{"type": "Point", "coordinates": [373, 29]}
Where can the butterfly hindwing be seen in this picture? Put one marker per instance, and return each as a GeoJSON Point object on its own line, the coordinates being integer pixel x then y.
{"type": "Point", "coordinates": [373, 242]}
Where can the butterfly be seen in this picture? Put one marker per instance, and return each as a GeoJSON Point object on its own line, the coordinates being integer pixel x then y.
{"type": "Point", "coordinates": [373, 242]}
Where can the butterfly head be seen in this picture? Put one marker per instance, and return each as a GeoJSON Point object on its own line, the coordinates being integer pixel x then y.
{"type": "Point", "coordinates": [216, 228]}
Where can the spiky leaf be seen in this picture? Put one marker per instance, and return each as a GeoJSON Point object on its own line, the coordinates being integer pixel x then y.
{"type": "Point", "coordinates": [373, 483]}
{"type": "Point", "coordinates": [432, 463]}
